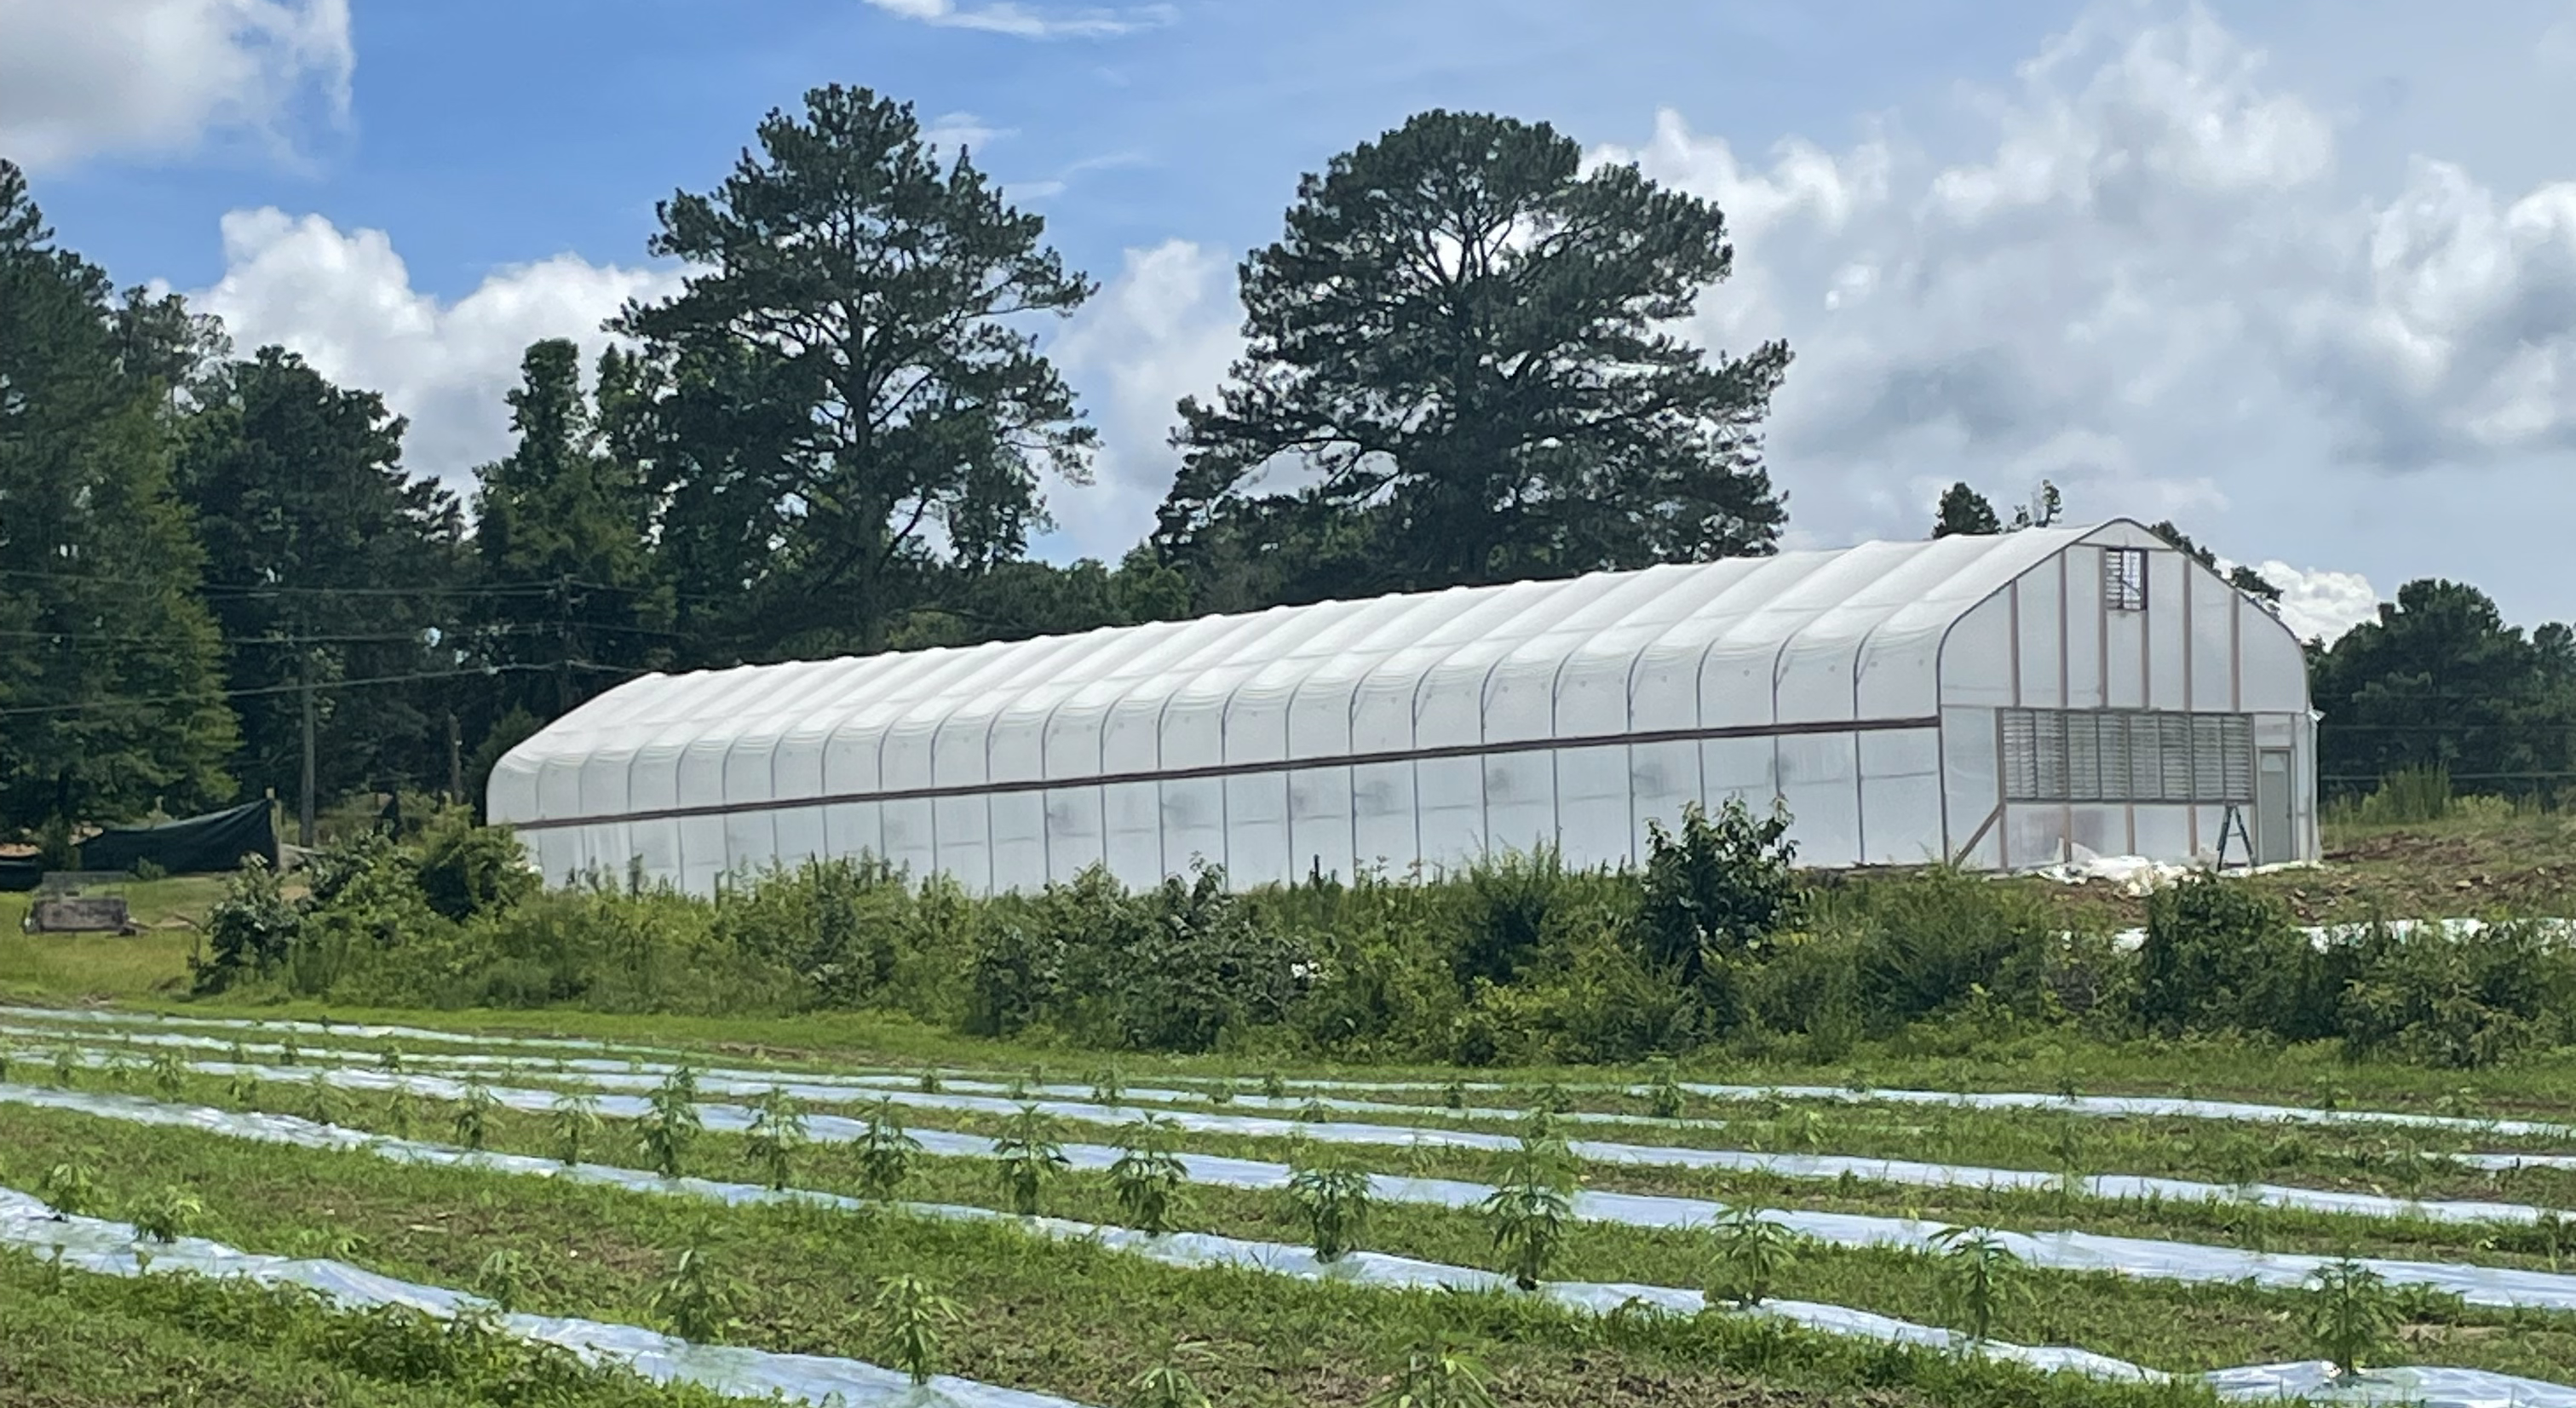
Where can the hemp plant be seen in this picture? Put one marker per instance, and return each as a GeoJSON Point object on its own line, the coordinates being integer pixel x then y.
{"type": "Point", "coordinates": [911, 1318]}
{"type": "Point", "coordinates": [1148, 1177]}
{"type": "Point", "coordinates": [1983, 1276]}
{"type": "Point", "coordinates": [474, 1114]}
{"type": "Point", "coordinates": [777, 1132]}
{"type": "Point", "coordinates": [575, 1125]}
{"type": "Point", "coordinates": [1528, 1211]}
{"type": "Point", "coordinates": [1031, 1151]}
{"type": "Point", "coordinates": [1335, 1199]}
{"type": "Point", "coordinates": [670, 1122]}
{"type": "Point", "coordinates": [1753, 1253]}
{"type": "Point", "coordinates": [2350, 1314]}
{"type": "Point", "coordinates": [884, 1152]}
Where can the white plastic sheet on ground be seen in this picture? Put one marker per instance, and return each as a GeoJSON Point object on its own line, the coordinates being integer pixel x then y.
{"type": "Point", "coordinates": [1807, 1167]}
{"type": "Point", "coordinates": [114, 1249]}
{"type": "Point", "coordinates": [2429, 1387]}
{"type": "Point", "coordinates": [2059, 1250]}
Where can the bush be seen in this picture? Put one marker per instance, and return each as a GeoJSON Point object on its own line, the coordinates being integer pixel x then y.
{"type": "Point", "coordinates": [2461, 1001]}
{"type": "Point", "coordinates": [467, 870]}
{"type": "Point", "coordinates": [1721, 888]}
{"type": "Point", "coordinates": [2219, 955]}
{"type": "Point", "coordinates": [250, 931]}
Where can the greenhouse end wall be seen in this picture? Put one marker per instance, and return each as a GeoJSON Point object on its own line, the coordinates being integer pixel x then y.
{"type": "Point", "coordinates": [1865, 688]}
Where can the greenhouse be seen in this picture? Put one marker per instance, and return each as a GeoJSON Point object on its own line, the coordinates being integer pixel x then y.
{"type": "Point", "coordinates": [2000, 702]}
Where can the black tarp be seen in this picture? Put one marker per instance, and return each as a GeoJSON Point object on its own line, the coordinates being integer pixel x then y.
{"type": "Point", "coordinates": [20, 874]}
{"type": "Point", "coordinates": [192, 845]}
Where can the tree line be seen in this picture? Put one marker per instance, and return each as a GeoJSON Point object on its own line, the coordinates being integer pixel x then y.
{"type": "Point", "coordinates": [1463, 366]}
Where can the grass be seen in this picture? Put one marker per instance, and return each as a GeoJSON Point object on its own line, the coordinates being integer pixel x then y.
{"type": "Point", "coordinates": [1061, 1317]}
{"type": "Point", "coordinates": [150, 966]}
{"type": "Point", "coordinates": [2166, 1324]}
{"type": "Point", "coordinates": [74, 1340]}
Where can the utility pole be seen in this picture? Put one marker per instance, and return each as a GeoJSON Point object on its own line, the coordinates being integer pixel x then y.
{"type": "Point", "coordinates": [304, 805]}
{"type": "Point", "coordinates": [455, 761]}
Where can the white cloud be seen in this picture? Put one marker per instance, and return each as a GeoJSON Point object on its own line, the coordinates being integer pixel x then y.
{"type": "Point", "coordinates": [345, 301]}
{"type": "Point", "coordinates": [1026, 22]}
{"type": "Point", "coordinates": [2321, 605]}
{"type": "Point", "coordinates": [82, 78]}
{"type": "Point", "coordinates": [1164, 328]}
{"type": "Point", "coordinates": [2147, 281]}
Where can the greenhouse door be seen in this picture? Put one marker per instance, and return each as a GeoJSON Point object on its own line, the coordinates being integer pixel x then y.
{"type": "Point", "coordinates": [2273, 841]}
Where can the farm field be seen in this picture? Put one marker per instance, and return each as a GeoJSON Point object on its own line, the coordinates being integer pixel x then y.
{"type": "Point", "coordinates": [1042, 1314]}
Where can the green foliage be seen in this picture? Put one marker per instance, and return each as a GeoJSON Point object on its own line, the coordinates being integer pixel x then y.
{"type": "Point", "coordinates": [2410, 796]}
{"type": "Point", "coordinates": [71, 1189]}
{"type": "Point", "coordinates": [323, 1102]}
{"type": "Point", "coordinates": [2218, 954]}
{"type": "Point", "coordinates": [854, 368]}
{"type": "Point", "coordinates": [2350, 1315]}
{"type": "Point", "coordinates": [168, 1215]}
{"type": "Point", "coordinates": [911, 1320]}
{"type": "Point", "coordinates": [574, 1125]}
{"type": "Point", "coordinates": [696, 1300]}
{"type": "Point", "coordinates": [670, 1124]}
{"type": "Point", "coordinates": [473, 1119]}
{"type": "Point", "coordinates": [250, 931]}
{"type": "Point", "coordinates": [777, 1131]}
{"type": "Point", "coordinates": [1964, 510]}
{"type": "Point", "coordinates": [1335, 1199]}
{"type": "Point", "coordinates": [502, 1278]}
{"type": "Point", "coordinates": [1148, 1177]}
{"type": "Point", "coordinates": [169, 1073]}
{"type": "Point", "coordinates": [884, 1152]}
{"type": "Point", "coordinates": [466, 870]}
{"type": "Point", "coordinates": [1753, 1253]}
{"type": "Point", "coordinates": [1437, 1375]}
{"type": "Point", "coordinates": [1168, 1385]}
{"type": "Point", "coordinates": [1028, 1153]}
{"type": "Point", "coordinates": [1983, 1275]}
{"type": "Point", "coordinates": [1461, 340]}
{"type": "Point", "coordinates": [2462, 1002]}
{"type": "Point", "coordinates": [1718, 890]}
{"type": "Point", "coordinates": [1531, 1204]}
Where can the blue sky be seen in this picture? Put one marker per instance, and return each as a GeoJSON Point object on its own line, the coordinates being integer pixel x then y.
{"type": "Point", "coordinates": [2299, 274]}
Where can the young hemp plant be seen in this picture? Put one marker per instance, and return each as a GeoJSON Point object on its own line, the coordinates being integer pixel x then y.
{"type": "Point", "coordinates": [884, 1152]}
{"type": "Point", "coordinates": [1335, 1198]}
{"type": "Point", "coordinates": [777, 1132]}
{"type": "Point", "coordinates": [502, 1279]}
{"type": "Point", "coordinates": [1664, 1097]}
{"type": "Point", "coordinates": [168, 1215]}
{"type": "Point", "coordinates": [1983, 1276]}
{"type": "Point", "coordinates": [694, 1299]}
{"type": "Point", "coordinates": [474, 1114]}
{"type": "Point", "coordinates": [1167, 1384]}
{"type": "Point", "coordinates": [1528, 1211]}
{"type": "Point", "coordinates": [169, 1073]}
{"type": "Point", "coordinates": [910, 1319]}
{"type": "Point", "coordinates": [670, 1122]}
{"type": "Point", "coordinates": [70, 1189]}
{"type": "Point", "coordinates": [1753, 1253]}
{"type": "Point", "coordinates": [575, 1125]}
{"type": "Point", "coordinates": [1031, 1151]}
{"type": "Point", "coordinates": [402, 1112]}
{"type": "Point", "coordinates": [323, 1103]}
{"type": "Point", "coordinates": [1150, 1181]}
{"type": "Point", "coordinates": [1437, 1375]}
{"type": "Point", "coordinates": [2350, 1314]}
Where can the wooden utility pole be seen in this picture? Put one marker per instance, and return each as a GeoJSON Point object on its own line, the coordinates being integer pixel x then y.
{"type": "Point", "coordinates": [455, 761]}
{"type": "Point", "coordinates": [304, 804]}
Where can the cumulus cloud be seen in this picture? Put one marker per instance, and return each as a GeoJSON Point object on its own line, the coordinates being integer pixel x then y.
{"type": "Point", "coordinates": [1027, 22]}
{"type": "Point", "coordinates": [1166, 327]}
{"type": "Point", "coordinates": [345, 301]}
{"type": "Point", "coordinates": [2321, 605]}
{"type": "Point", "coordinates": [155, 76]}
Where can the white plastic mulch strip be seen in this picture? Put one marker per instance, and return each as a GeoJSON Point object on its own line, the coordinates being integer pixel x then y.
{"type": "Point", "coordinates": [1807, 1167]}
{"type": "Point", "coordinates": [2102, 1106]}
{"type": "Point", "coordinates": [358, 1031]}
{"type": "Point", "coordinates": [115, 1249]}
{"type": "Point", "coordinates": [2059, 1250]}
{"type": "Point", "coordinates": [2430, 1387]}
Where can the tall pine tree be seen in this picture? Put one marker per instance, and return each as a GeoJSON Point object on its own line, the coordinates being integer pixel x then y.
{"type": "Point", "coordinates": [328, 564]}
{"type": "Point", "coordinates": [110, 668]}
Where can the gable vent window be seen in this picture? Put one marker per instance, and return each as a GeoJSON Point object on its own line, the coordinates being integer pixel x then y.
{"type": "Point", "coordinates": [2124, 579]}
{"type": "Point", "coordinates": [2127, 755]}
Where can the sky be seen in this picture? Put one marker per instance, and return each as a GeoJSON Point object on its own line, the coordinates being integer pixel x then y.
{"type": "Point", "coordinates": [2299, 275]}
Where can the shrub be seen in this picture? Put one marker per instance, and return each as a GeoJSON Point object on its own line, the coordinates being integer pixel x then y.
{"type": "Point", "coordinates": [1935, 940]}
{"type": "Point", "coordinates": [466, 870]}
{"type": "Point", "coordinates": [1721, 887]}
{"type": "Point", "coordinates": [2218, 955]}
{"type": "Point", "coordinates": [2461, 1001]}
{"type": "Point", "coordinates": [250, 931]}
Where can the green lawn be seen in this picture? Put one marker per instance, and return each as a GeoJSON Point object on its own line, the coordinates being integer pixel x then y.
{"type": "Point", "coordinates": [88, 967]}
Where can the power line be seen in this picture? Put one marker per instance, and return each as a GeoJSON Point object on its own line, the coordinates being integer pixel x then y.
{"type": "Point", "coordinates": [97, 705]}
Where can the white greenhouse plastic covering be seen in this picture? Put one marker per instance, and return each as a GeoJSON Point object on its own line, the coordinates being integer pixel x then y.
{"type": "Point", "coordinates": [1907, 701]}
